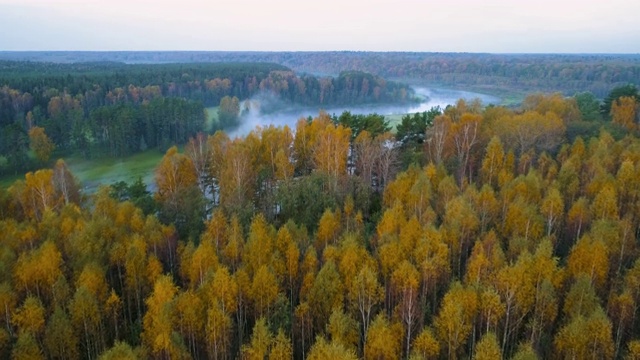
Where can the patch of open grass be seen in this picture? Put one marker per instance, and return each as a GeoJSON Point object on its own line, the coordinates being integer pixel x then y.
{"type": "Point", "coordinates": [511, 100]}
{"type": "Point", "coordinates": [394, 120]}
{"type": "Point", "coordinates": [95, 172]}
{"type": "Point", "coordinates": [105, 171]}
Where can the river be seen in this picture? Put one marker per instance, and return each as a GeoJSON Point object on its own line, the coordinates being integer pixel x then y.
{"type": "Point", "coordinates": [432, 97]}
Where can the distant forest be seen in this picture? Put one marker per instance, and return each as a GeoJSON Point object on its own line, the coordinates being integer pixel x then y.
{"type": "Point", "coordinates": [115, 109]}
{"type": "Point", "coordinates": [567, 73]}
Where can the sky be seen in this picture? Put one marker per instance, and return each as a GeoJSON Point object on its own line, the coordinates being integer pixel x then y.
{"type": "Point", "coordinates": [497, 26]}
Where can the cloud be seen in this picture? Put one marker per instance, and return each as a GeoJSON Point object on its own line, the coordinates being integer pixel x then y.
{"type": "Point", "coordinates": [411, 25]}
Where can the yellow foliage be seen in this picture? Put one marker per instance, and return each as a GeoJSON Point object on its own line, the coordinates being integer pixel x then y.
{"type": "Point", "coordinates": [174, 173]}
{"type": "Point", "coordinates": [589, 257]}
{"type": "Point", "coordinates": [383, 340]}
{"type": "Point", "coordinates": [425, 346]}
{"type": "Point", "coordinates": [488, 348]}
{"type": "Point", "coordinates": [40, 144]}
{"type": "Point", "coordinates": [331, 149]}
{"type": "Point", "coordinates": [455, 318]}
{"type": "Point", "coordinates": [624, 111]}
{"type": "Point", "coordinates": [323, 350]}
{"type": "Point", "coordinates": [30, 317]}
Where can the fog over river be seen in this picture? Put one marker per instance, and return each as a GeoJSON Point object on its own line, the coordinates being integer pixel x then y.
{"type": "Point", "coordinates": [432, 97]}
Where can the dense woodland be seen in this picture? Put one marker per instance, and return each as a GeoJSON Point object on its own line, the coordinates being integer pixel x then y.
{"type": "Point", "coordinates": [502, 73]}
{"type": "Point", "coordinates": [114, 109]}
{"type": "Point", "coordinates": [507, 233]}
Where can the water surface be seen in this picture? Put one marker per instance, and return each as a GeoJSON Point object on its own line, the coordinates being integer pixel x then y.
{"type": "Point", "coordinates": [432, 97]}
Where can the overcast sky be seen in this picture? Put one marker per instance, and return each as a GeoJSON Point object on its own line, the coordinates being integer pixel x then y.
{"type": "Point", "coordinates": [567, 26]}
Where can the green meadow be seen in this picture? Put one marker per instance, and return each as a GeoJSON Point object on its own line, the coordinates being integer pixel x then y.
{"type": "Point", "coordinates": [105, 171]}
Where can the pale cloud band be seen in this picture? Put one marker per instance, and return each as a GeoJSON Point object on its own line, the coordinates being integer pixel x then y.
{"type": "Point", "coordinates": [400, 25]}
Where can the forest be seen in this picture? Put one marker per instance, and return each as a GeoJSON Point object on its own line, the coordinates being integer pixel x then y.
{"type": "Point", "coordinates": [489, 73]}
{"type": "Point", "coordinates": [474, 231]}
{"type": "Point", "coordinates": [112, 109]}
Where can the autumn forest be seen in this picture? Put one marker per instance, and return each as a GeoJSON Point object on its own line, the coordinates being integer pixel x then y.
{"type": "Point", "coordinates": [470, 232]}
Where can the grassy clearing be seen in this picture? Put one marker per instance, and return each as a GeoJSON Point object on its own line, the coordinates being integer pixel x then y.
{"type": "Point", "coordinates": [93, 173]}
{"type": "Point", "coordinates": [394, 120]}
{"type": "Point", "coordinates": [512, 100]}
{"type": "Point", "coordinates": [105, 171]}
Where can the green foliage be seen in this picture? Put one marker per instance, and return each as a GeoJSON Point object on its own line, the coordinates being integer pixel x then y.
{"type": "Point", "coordinates": [186, 210]}
{"type": "Point", "coordinates": [303, 200]}
{"type": "Point", "coordinates": [14, 145]}
{"type": "Point", "coordinates": [413, 127]}
{"type": "Point", "coordinates": [123, 129]}
{"type": "Point", "coordinates": [589, 106]}
{"type": "Point", "coordinates": [136, 192]}
{"type": "Point", "coordinates": [584, 129]}
{"type": "Point", "coordinates": [411, 133]}
{"type": "Point", "coordinates": [373, 123]}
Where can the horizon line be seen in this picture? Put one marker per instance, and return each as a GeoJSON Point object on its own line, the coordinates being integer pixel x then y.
{"type": "Point", "coordinates": [320, 51]}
